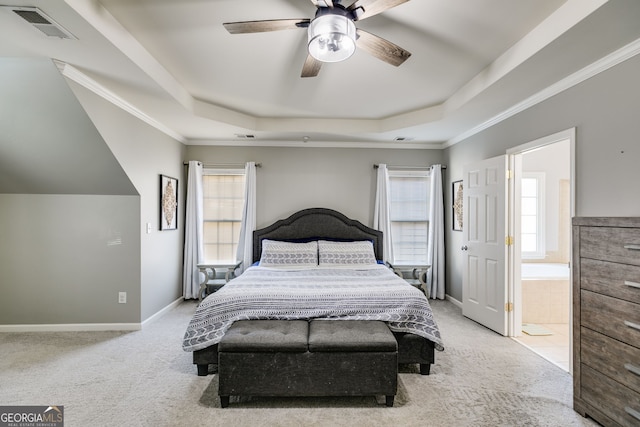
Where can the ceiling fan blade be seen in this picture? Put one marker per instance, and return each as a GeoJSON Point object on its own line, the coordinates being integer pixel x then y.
{"type": "Point", "coordinates": [368, 8]}
{"type": "Point", "coordinates": [322, 3]}
{"type": "Point", "coordinates": [263, 26]}
{"type": "Point", "coordinates": [311, 67]}
{"type": "Point", "coordinates": [381, 48]}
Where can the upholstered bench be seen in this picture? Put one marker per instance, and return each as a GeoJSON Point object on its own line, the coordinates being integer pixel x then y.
{"type": "Point", "coordinates": [301, 358]}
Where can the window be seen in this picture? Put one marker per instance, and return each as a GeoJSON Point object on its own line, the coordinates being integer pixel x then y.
{"type": "Point", "coordinates": [409, 212]}
{"type": "Point", "coordinates": [532, 215]}
{"type": "Point", "coordinates": [223, 194]}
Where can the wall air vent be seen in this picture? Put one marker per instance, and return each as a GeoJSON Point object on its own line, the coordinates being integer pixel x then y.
{"type": "Point", "coordinates": [42, 22]}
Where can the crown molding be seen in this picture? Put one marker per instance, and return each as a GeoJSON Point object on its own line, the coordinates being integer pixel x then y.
{"type": "Point", "coordinates": [72, 73]}
{"type": "Point", "coordinates": [627, 52]}
{"type": "Point", "coordinates": [319, 144]}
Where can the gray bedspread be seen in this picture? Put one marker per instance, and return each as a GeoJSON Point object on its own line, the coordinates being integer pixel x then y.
{"type": "Point", "coordinates": [335, 294]}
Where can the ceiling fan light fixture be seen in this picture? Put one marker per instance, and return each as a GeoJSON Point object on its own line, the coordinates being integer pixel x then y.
{"type": "Point", "coordinates": [332, 38]}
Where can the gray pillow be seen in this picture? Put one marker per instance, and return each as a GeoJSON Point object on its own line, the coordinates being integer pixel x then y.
{"type": "Point", "coordinates": [346, 254]}
{"type": "Point", "coordinates": [288, 254]}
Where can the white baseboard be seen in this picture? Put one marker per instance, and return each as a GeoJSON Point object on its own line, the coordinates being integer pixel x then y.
{"type": "Point", "coordinates": [454, 301]}
{"type": "Point", "coordinates": [162, 312]}
{"type": "Point", "coordinates": [72, 327]}
{"type": "Point", "coordinates": [83, 327]}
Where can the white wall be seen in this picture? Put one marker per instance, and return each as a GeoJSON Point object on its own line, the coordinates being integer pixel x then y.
{"type": "Point", "coordinates": [554, 161]}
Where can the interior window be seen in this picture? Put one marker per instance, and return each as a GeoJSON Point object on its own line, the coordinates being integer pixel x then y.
{"type": "Point", "coordinates": [409, 212]}
{"type": "Point", "coordinates": [532, 215]}
{"type": "Point", "coordinates": [223, 195]}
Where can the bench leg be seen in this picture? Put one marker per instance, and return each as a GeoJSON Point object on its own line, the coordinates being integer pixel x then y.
{"type": "Point", "coordinates": [425, 368]}
{"type": "Point", "coordinates": [203, 370]}
{"type": "Point", "coordinates": [390, 401]}
{"type": "Point", "coordinates": [224, 401]}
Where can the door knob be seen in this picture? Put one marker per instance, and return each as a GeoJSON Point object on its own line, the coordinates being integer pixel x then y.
{"type": "Point", "coordinates": [464, 248]}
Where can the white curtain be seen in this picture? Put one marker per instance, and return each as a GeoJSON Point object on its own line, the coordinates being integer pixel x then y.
{"type": "Point", "coordinates": [435, 246]}
{"type": "Point", "coordinates": [245, 245]}
{"type": "Point", "coordinates": [193, 246]}
{"type": "Point", "coordinates": [381, 213]}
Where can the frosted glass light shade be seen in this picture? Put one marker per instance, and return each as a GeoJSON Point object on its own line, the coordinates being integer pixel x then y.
{"type": "Point", "coordinates": [332, 38]}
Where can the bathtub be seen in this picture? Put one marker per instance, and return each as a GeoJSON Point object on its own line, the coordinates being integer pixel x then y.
{"type": "Point", "coordinates": [545, 292]}
{"type": "Point", "coordinates": [545, 271]}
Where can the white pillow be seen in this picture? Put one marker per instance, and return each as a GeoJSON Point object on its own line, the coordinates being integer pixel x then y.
{"type": "Point", "coordinates": [288, 254]}
{"type": "Point", "coordinates": [336, 254]}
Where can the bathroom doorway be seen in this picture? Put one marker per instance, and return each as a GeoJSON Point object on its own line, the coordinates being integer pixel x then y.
{"type": "Point", "coordinates": [542, 209]}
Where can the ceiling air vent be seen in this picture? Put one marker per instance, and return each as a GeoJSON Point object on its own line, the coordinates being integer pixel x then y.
{"type": "Point", "coordinates": [42, 22]}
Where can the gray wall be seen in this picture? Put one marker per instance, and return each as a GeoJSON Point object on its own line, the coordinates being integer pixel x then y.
{"type": "Point", "coordinates": [77, 196]}
{"type": "Point", "coordinates": [48, 145]}
{"type": "Point", "coordinates": [604, 109]}
{"type": "Point", "coordinates": [64, 258]}
{"type": "Point", "coordinates": [144, 153]}
{"type": "Point", "coordinates": [291, 179]}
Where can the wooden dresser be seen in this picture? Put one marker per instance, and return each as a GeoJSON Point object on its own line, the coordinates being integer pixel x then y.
{"type": "Point", "coordinates": [606, 319]}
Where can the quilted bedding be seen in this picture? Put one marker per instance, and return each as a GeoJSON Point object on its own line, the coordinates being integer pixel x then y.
{"type": "Point", "coordinates": [372, 293]}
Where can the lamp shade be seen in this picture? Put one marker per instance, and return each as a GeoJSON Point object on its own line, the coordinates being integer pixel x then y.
{"type": "Point", "coordinates": [332, 38]}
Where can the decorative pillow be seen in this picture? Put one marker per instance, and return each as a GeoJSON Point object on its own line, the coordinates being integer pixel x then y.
{"type": "Point", "coordinates": [336, 254]}
{"type": "Point", "coordinates": [288, 254]}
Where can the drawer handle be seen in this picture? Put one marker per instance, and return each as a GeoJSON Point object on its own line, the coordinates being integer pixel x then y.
{"type": "Point", "coordinates": [635, 414]}
{"type": "Point", "coordinates": [632, 368]}
{"type": "Point", "coordinates": [632, 247]}
{"type": "Point", "coordinates": [632, 325]}
{"type": "Point", "coordinates": [632, 284]}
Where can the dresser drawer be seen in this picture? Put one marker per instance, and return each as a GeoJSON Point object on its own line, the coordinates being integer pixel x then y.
{"type": "Point", "coordinates": [613, 279]}
{"type": "Point", "coordinates": [619, 361]}
{"type": "Point", "coordinates": [616, 401]}
{"type": "Point", "coordinates": [615, 244]}
{"type": "Point", "coordinates": [610, 316]}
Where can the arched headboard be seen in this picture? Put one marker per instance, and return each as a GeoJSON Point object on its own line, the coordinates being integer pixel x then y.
{"type": "Point", "coordinates": [317, 224]}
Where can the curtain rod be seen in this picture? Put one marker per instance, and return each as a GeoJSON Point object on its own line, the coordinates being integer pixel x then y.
{"type": "Point", "coordinates": [376, 166]}
{"type": "Point", "coordinates": [224, 165]}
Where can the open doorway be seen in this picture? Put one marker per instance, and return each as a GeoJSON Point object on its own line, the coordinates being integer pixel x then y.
{"type": "Point", "coordinates": [542, 210]}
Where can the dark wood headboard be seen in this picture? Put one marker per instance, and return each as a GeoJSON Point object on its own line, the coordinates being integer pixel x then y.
{"type": "Point", "coordinates": [316, 224]}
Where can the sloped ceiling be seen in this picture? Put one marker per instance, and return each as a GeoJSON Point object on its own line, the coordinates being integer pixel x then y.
{"type": "Point", "coordinates": [48, 144]}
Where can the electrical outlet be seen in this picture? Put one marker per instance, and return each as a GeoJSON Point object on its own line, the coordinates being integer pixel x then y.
{"type": "Point", "coordinates": [122, 297]}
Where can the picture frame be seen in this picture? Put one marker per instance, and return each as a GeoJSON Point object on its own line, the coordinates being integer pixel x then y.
{"type": "Point", "coordinates": [168, 203]}
{"type": "Point", "coordinates": [457, 196]}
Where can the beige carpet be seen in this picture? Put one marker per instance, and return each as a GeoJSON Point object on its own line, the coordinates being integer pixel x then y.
{"type": "Point", "coordinates": [145, 379]}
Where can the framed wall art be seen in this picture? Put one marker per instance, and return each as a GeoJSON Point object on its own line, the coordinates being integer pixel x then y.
{"type": "Point", "coordinates": [168, 203]}
{"type": "Point", "coordinates": [457, 197]}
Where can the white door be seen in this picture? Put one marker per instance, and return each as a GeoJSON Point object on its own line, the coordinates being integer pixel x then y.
{"type": "Point", "coordinates": [484, 285]}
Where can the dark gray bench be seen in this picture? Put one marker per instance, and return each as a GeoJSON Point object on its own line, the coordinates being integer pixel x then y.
{"type": "Point", "coordinates": [301, 358]}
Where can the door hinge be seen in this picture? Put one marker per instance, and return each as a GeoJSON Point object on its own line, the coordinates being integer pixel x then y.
{"type": "Point", "coordinates": [508, 240]}
{"type": "Point", "coordinates": [508, 307]}
{"type": "Point", "coordinates": [509, 174]}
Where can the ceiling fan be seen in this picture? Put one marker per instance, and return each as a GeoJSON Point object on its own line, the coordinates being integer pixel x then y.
{"type": "Point", "coordinates": [332, 34]}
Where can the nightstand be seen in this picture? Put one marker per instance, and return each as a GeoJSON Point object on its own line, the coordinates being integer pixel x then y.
{"type": "Point", "coordinates": [416, 275]}
{"type": "Point", "coordinates": [210, 283]}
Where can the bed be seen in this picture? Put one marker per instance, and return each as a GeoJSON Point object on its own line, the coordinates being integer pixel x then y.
{"type": "Point", "coordinates": [344, 283]}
